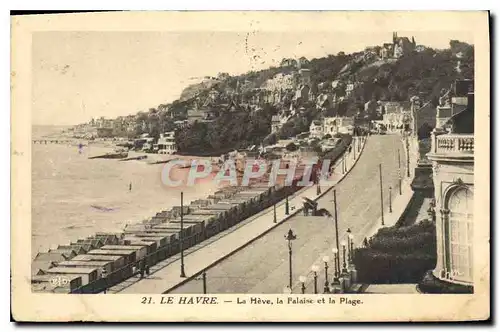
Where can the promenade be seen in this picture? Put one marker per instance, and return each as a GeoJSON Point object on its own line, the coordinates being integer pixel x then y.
{"type": "Point", "coordinates": [262, 266]}
{"type": "Point", "coordinates": [166, 274]}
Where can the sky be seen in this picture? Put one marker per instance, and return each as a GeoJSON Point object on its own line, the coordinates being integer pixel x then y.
{"type": "Point", "coordinates": [80, 75]}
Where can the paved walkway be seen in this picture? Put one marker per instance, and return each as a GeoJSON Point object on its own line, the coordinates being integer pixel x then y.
{"type": "Point", "coordinates": [262, 266]}
{"type": "Point", "coordinates": [165, 275]}
{"type": "Point", "coordinates": [399, 202]}
{"type": "Point", "coordinates": [391, 289]}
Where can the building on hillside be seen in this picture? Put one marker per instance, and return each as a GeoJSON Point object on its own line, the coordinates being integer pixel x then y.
{"type": "Point", "coordinates": [166, 143]}
{"type": "Point", "coordinates": [302, 94]}
{"type": "Point", "coordinates": [337, 125]}
{"type": "Point", "coordinates": [324, 101]}
{"type": "Point", "coordinates": [316, 129]}
{"type": "Point", "coordinates": [453, 101]}
{"type": "Point", "coordinates": [396, 115]}
{"type": "Point", "coordinates": [305, 76]}
{"type": "Point", "coordinates": [452, 157]}
{"type": "Point", "coordinates": [349, 88]}
{"type": "Point", "coordinates": [399, 47]}
{"type": "Point", "coordinates": [331, 126]}
{"type": "Point", "coordinates": [422, 114]}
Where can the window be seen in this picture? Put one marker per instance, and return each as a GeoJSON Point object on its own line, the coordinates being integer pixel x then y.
{"type": "Point", "coordinates": [460, 234]}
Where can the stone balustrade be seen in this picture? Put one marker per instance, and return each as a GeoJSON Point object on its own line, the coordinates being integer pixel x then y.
{"type": "Point", "coordinates": [454, 143]}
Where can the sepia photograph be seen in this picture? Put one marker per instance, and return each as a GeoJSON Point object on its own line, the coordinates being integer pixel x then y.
{"type": "Point", "coordinates": [251, 164]}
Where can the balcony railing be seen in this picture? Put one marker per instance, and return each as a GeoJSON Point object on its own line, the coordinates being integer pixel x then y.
{"type": "Point", "coordinates": [454, 143]}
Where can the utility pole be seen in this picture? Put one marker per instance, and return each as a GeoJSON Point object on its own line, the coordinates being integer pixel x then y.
{"type": "Point", "coordinates": [290, 237]}
{"type": "Point", "coordinates": [381, 193]}
{"type": "Point", "coordinates": [399, 171]}
{"type": "Point", "coordinates": [407, 157]}
{"type": "Point", "coordinates": [183, 273]}
{"type": "Point", "coordinates": [336, 228]}
{"type": "Point", "coordinates": [204, 278]}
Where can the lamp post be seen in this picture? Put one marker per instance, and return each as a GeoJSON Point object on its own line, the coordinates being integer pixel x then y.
{"type": "Point", "coordinates": [287, 205]}
{"type": "Point", "coordinates": [381, 194]}
{"type": "Point", "coordinates": [183, 273]}
{"type": "Point", "coordinates": [399, 171]}
{"type": "Point", "coordinates": [290, 237]}
{"type": "Point", "coordinates": [275, 218]}
{"type": "Point", "coordinates": [390, 199]}
{"type": "Point", "coordinates": [315, 269]}
{"type": "Point", "coordinates": [407, 157]}
{"type": "Point", "coordinates": [327, 287]}
{"type": "Point", "coordinates": [302, 280]}
{"type": "Point", "coordinates": [351, 248]}
{"type": "Point", "coordinates": [344, 266]}
{"type": "Point", "coordinates": [348, 244]}
{"type": "Point", "coordinates": [335, 270]}
{"type": "Point", "coordinates": [354, 149]}
{"type": "Point", "coordinates": [337, 262]}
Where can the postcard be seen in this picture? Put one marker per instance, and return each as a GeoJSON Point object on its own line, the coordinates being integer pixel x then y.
{"type": "Point", "coordinates": [250, 166]}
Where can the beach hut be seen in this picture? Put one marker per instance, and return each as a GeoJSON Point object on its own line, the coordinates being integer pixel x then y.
{"type": "Point", "coordinates": [68, 253]}
{"type": "Point", "coordinates": [127, 254]}
{"type": "Point", "coordinates": [88, 274]}
{"type": "Point", "coordinates": [49, 283]}
{"type": "Point", "coordinates": [51, 256]}
{"type": "Point", "coordinates": [116, 261]}
{"type": "Point", "coordinates": [99, 265]}
{"type": "Point", "coordinates": [40, 267]}
{"type": "Point", "coordinates": [77, 249]}
{"type": "Point", "coordinates": [141, 251]}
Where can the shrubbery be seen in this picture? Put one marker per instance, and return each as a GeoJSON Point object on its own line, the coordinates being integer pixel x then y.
{"type": "Point", "coordinates": [397, 255]}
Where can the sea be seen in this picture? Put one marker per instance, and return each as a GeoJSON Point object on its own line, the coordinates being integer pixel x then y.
{"type": "Point", "coordinates": [74, 197]}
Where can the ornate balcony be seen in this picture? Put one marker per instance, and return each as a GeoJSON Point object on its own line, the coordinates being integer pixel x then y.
{"type": "Point", "coordinates": [452, 146]}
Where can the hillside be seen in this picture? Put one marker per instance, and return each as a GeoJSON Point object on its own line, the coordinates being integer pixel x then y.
{"type": "Point", "coordinates": [347, 81]}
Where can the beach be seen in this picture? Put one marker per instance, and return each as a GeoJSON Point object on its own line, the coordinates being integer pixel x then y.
{"type": "Point", "coordinates": [74, 197]}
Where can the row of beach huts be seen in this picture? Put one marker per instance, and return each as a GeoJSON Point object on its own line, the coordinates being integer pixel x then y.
{"type": "Point", "coordinates": [93, 264]}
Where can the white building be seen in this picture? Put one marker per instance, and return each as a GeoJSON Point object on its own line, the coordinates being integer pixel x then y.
{"type": "Point", "coordinates": [166, 143]}
{"type": "Point", "coordinates": [331, 126]}
{"type": "Point", "coordinates": [452, 157]}
{"type": "Point", "coordinates": [316, 129]}
{"type": "Point", "coordinates": [335, 125]}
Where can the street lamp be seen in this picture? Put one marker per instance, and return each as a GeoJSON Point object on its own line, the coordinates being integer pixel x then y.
{"type": "Point", "coordinates": [290, 237]}
{"type": "Point", "coordinates": [390, 199]}
{"type": "Point", "coordinates": [348, 244]}
{"type": "Point", "coordinates": [315, 269]}
{"type": "Point", "coordinates": [302, 280]}
{"type": "Point", "coordinates": [183, 273]}
{"type": "Point", "coordinates": [351, 247]}
{"type": "Point", "coordinates": [407, 157]}
{"type": "Point", "coordinates": [325, 260]}
{"type": "Point", "coordinates": [335, 259]}
{"type": "Point", "coordinates": [287, 205]}
{"type": "Point", "coordinates": [275, 218]}
{"type": "Point", "coordinates": [381, 194]}
{"type": "Point", "coordinates": [344, 266]}
{"type": "Point", "coordinates": [399, 171]}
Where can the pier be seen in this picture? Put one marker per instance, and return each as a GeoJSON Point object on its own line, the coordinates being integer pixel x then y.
{"type": "Point", "coordinates": [51, 141]}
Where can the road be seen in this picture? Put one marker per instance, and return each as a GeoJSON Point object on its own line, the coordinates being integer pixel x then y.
{"type": "Point", "coordinates": [262, 266]}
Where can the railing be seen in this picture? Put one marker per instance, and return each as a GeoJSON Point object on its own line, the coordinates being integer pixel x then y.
{"type": "Point", "coordinates": [454, 143]}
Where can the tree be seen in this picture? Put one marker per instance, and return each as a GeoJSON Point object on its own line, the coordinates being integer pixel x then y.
{"type": "Point", "coordinates": [270, 139]}
{"type": "Point", "coordinates": [291, 147]}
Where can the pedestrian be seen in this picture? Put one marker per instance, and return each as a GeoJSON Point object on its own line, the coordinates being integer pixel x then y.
{"type": "Point", "coordinates": [130, 187]}
{"type": "Point", "coordinates": [142, 268]}
{"type": "Point", "coordinates": [365, 243]}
